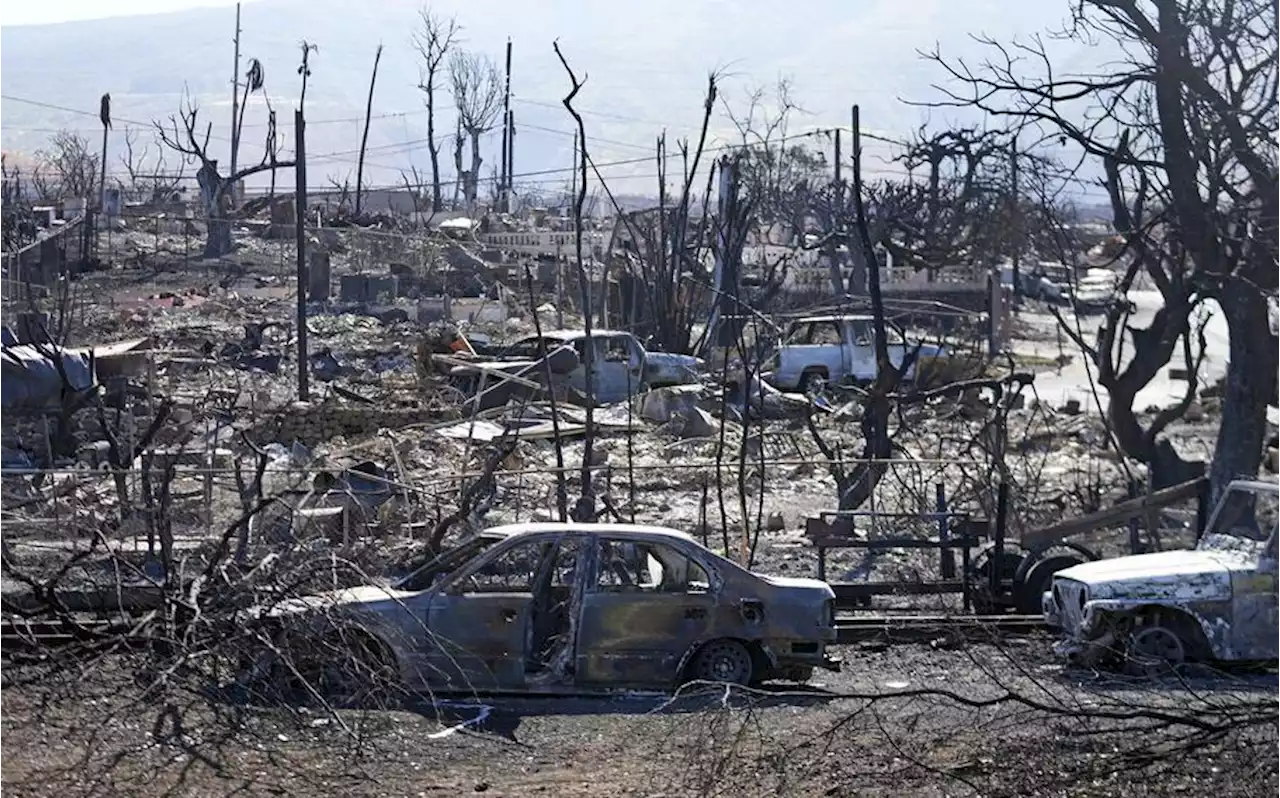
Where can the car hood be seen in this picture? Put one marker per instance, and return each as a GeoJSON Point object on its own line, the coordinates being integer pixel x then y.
{"type": "Point", "coordinates": [1095, 290]}
{"type": "Point", "coordinates": [347, 598]}
{"type": "Point", "coordinates": [510, 366]}
{"type": "Point", "coordinates": [1183, 575]}
{"type": "Point", "coordinates": [932, 350]}
{"type": "Point", "coordinates": [799, 584]}
{"type": "Point", "coordinates": [674, 361]}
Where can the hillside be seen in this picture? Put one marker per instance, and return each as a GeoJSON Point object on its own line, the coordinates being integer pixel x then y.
{"type": "Point", "coordinates": [645, 72]}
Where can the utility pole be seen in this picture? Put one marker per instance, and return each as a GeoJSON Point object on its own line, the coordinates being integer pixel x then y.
{"type": "Point", "coordinates": [1015, 212]}
{"type": "Point", "coordinates": [235, 105]}
{"type": "Point", "coordinates": [104, 114]}
{"type": "Point", "coordinates": [838, 161]}
{"type": "Point", "coordinates": [830, 251]}
{"type": "Point", "coordinates": [511, 155]}
{"type": "Point", "coordinates": [300, 170]}
{"type": "Point", "coordinates": [504, 199]}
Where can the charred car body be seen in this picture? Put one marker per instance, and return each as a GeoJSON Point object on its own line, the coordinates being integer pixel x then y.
{"type": "Point", "coordinates": [1215, 602]}
{"type": "Point", "coordinates": [620, 367]}
{"type": "Point", "coordinates": [573, 607]}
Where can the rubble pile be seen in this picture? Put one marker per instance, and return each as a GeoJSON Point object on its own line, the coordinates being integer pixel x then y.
{"type": "Point", "coordinates": [426, 388]}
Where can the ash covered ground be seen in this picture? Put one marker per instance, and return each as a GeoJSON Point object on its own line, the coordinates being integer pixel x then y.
{"type": "Point", "coordinates": [843, 734]}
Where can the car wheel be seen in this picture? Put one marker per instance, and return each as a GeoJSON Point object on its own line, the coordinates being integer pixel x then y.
{"type": "Point", "coordinates": [812, 381]}
{"type": "Point", "coordinates": [723, 661]}
{"type": "Point", "coordinates": [1154, 650]}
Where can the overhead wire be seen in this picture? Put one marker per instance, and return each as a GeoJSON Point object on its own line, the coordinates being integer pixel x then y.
{"type": "Point", "coordinates": [396, 147]}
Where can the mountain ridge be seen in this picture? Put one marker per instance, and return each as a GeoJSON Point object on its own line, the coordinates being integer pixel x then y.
{"type": "Point", "coordinates": [644, 72]}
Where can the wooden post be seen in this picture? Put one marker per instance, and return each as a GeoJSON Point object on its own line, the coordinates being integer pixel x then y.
{"type": "Point", "coordinates": [948, 556]}
{"type": "Point", "coordinates": [997, 548]}
{"type": "Point", "coordinates": [300, 228]}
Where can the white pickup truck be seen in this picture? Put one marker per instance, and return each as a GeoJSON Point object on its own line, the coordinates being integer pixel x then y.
{"type": "Point", "coordinates": [832, 349]}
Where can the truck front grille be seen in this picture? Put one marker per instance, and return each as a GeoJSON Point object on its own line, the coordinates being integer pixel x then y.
{"type": "Point", "coordinates": [1070, 597]}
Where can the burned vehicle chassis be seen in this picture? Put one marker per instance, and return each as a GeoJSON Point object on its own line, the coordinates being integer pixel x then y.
{"type": "Point", "coordinates": [1217, 602]}
{"type": "Point", "coordinates": [562, 608]}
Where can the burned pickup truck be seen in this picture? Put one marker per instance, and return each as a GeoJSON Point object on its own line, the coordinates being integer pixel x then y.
{"type": "Point", "coordinates": [562, 608]}
{"type": "Point", "coordinates": [621, 368]}
{"type": "Point", "coordinates": [819, 350]}
{"type": "Point", "coordinates": [1150, 611]}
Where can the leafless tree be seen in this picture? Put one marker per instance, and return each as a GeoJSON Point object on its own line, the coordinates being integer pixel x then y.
{"type": "Point", "coordinates": [68, 167]}
{"type": "Point", "coordinates": [666, 245]}
{"type": "Point", "coordinates": [149, 178]}
{"type": "Point", "coordinates": [184, 136]}
{"type": "Point", "coordinates": [413, 185]}
{"type": "Point", "coordinates": [433, 40]}
{"type": "Point", "coordinates": [949, 218]}
{"type": "Point", "coordinates": [477, 93]}
{"type": "Point", "coordinates": [787, 181]}
{"type": "Point", "coordinates": [1184, 129]}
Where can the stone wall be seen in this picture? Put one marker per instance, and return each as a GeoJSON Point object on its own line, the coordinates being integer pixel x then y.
{"type": "Point", "coordinates": [312, 423]}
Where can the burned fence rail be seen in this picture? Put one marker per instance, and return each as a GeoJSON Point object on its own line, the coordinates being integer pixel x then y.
{"type": "Point", "coordinates": [955, 531]}
{"type": "Point", "coordinates": [908, 628]}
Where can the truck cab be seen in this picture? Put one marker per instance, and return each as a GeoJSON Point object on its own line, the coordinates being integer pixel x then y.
{"type": "Point", "coordinates": [833, 349]}
{"type": "Point", "coordinates": [1214, 602]}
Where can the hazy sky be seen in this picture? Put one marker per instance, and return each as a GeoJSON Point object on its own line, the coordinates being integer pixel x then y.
{"type": "Point", "coordinates": [28, 13]}
{"type": "Point", "coordinates": [646, 74]}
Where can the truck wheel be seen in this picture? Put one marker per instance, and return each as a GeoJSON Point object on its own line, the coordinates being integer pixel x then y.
{"type": "Point", "coordinates": [812, 380]}
{"type": "Point", "coordinates": [1154, 650]}
{"type": "Point", "coordinates": [1028, 591]}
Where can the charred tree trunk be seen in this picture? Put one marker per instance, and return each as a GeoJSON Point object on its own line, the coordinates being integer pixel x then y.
{"type": "Point", "coordinates": [217, 209]}
{"type": "Point", "coordinates": [437, 204]}
{"type": "Point", "coordinates": [473, 180]}
{"type": "Point", "coordinates": [364, 139]}
{"type": "Point", "coordinates": [1250, 385]}
{"type": "Point", "coordinates": [857, 285]}
{"type": "Point", "coordinates": [1153, 349]}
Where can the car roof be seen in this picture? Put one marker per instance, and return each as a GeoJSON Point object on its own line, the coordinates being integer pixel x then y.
{"type": "Point", "coordinates": [628, 530]}
{"type": "Point", "coordinates": [573, 335]}
{"type": "Point", "coordinates": [846, 316]}
{"type": "Point", "coordinates": [1255, 485]}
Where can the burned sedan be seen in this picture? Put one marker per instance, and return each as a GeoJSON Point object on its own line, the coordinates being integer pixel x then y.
{"type": "Point", "coordinates": [1215, 602]}
{"type": "Point", "coordinates": [575, 607]}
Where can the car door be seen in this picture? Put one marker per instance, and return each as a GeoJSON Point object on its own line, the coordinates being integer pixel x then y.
{"type": "Point", "coordinates": [617, 367]}
{"type": "Point", "coordinates": [829, 349]}
{"type": "Point", "coordinates": [862, 353]}
{"type": "Point", "coordinates": [897, 347]}
{"type": "Point", "coordinates": [478, 621]}
{"type": "Point", "coordinates": [644, 606]}
{"type": "Point", "coordinates": [1255, 584]}
{"type": "Point", "coordinates": [794, 355]}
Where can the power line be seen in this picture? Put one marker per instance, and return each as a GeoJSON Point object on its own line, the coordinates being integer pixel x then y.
{"type": "Point", "coordinates": [396, 147]}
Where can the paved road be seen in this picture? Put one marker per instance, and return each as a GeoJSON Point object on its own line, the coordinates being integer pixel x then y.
{"type": "Point", "coordinates": [1073, 380]}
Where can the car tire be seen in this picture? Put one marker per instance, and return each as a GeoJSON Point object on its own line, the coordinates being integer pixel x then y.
{"type": "Point", "coordinates": [1155, 650]}
{"type": "Point", "coordinates": [812, 380]}
{"type": "Point", "coordinates": [727, 661]}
